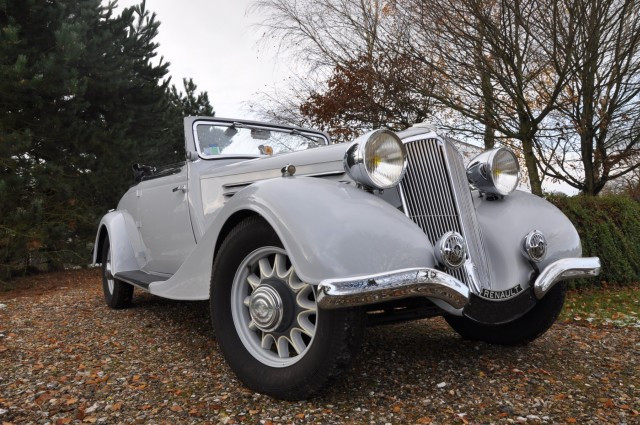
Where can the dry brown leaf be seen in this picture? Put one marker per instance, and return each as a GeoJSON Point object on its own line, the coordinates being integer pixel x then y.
{"type": "Point", "coordinates": [176, 408]}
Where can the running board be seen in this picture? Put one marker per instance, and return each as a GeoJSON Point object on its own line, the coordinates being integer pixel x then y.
{"type": "Point", "coordinates": [139, 278]}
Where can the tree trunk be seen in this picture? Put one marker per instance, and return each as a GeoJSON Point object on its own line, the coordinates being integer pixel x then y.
{"type": "Point", "coordinates": [531, 163]}
{"type": "Point", "coordinates": [487, 95]}
{"type": "Point", "coordinates": [586, 146]}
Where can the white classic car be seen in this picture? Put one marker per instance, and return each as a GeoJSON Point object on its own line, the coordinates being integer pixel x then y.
{"type": "Point", "coordinates": [298, 243]}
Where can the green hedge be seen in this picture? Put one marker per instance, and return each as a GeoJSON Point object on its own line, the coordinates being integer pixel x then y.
{"type": "Point", "coordinates": [609, 227]}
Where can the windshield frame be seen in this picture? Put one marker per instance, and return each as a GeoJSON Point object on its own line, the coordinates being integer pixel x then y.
{"type": "Point", "coordinates": [227, 122]}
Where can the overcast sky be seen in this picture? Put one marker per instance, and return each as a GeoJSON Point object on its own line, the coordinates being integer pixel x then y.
{"type": "Point", "coordinates": [213, 42]}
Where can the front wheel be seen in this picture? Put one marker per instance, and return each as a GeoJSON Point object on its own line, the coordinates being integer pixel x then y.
{"type": "Point", "coordinates": [270, 329]}
{"type": "Point", "coordinates": [517, 332]}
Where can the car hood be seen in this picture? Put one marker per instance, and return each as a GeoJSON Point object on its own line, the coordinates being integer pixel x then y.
{"type": "Point", "coordinates": [311, 162]}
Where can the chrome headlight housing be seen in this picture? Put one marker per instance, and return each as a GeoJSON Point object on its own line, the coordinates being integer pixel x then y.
{"type": "Point", "coordinates": [376, 160]}
{"type": "Point", "coordinates": [495, 171]}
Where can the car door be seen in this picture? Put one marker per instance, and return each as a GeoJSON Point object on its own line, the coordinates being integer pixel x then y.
{"type": "Point", "coordinates": [164, 220]}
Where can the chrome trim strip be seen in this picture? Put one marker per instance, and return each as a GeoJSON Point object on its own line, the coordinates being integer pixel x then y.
{"type": "Point", "coordinates": [567, 268]}
{"type": "Point", "coordinates": [418, 282]}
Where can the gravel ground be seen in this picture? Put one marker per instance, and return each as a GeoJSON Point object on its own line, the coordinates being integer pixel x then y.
{"type": "Point", "coordinates": [66, 358]}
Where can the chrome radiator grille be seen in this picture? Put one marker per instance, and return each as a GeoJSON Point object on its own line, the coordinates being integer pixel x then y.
{"type": "Point", "coordinates": [436, 197]}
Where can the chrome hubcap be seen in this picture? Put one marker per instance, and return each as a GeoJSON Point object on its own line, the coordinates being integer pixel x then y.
{"type": "Point", "coordinates": [265, 308]}
{"type": "Point", "coordinates": [274, 312]}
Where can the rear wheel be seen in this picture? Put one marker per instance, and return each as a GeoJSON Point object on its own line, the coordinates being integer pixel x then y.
{"type": "Point", "coordinates": [117, 294]}
{"type": "Point", "coordinates": [520, 331]}
{"type": "Point", "coordinates": [268, 324]}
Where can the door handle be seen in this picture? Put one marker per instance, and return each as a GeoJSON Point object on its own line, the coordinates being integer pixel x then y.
{"type": "Point", "coordinates": [182, 188]}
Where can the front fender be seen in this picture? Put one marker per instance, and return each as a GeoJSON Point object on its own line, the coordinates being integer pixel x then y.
{"type": "Point", "coordinates": [504, 225]}
{"type": "Point", "coordinates": [330, 230]}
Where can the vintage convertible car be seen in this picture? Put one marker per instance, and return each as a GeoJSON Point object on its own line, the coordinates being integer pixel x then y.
{"type": "Point", "coordinates": [298, 243]}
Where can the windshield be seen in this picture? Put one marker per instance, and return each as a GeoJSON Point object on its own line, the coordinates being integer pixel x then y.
{"type": "Point", "coordinates": [244, 139]}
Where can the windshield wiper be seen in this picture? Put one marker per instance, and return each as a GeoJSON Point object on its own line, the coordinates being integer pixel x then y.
{"type": "Point", "coordinates": [299, 133]}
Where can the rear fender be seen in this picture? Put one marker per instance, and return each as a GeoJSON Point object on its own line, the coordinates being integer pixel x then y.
{"type": "Point", "coordinates": [117, 226]}
{"type": "Point", "coordinates": [330, 230]}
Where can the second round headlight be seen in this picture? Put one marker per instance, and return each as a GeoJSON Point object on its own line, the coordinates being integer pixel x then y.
{"type": "Point", "coordinates": [495, 171]}
{"type": "Point", "coordinates": [377, 159]}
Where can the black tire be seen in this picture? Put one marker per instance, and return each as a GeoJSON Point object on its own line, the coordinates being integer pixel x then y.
{"type": "Point", "coordinates": [337, 334]}
{"type": "Point", "coordinates": [122, 293]}
{"type": "Point", "coordinates": [520, 331]}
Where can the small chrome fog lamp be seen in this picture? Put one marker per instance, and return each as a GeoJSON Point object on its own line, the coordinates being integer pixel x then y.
{"type": "Point", "coordinates": [451, 250]}
{"type": "Point", "coordinates": [376, 160]}
{"type": "Point", "coordinates": [495, 172]}
{"type": "Point", "coordinates": [534, 246]}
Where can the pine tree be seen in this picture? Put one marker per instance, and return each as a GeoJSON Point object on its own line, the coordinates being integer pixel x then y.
{"type": "Point", "coordinates": [83, 95]}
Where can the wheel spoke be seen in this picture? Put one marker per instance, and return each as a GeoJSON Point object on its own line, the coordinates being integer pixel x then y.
{"type": "Point", "coordinates": [283, 347]}
{"type": "Point", "coordinates": [252, 326]}
{"type": "Point", "coordinates": [305, 323]}
{"type": "Point", "coordinates": [265, 268]}
{"type": "Point", "coordinates": [302, 298]}
{"type": "Point", "coordinates": [296, 340]}
{"type": "Point", "coordinates": [267, 341]}
{"type": "Point", "coordinates": [246, 301]}
{"type": "Point", "coordinates": [253, 280]}
{"type": "Point", "coordinates": [280, 266]}
{"type": "Point", "coordinates": [294, 282]}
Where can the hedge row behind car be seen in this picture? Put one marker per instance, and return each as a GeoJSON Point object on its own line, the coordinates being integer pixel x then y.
{"type": "Point", "coordinates": [609, 227]}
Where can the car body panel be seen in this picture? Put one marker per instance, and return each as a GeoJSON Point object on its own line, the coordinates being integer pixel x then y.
{"type": "Point", "coordinates": [504, 224]}
{"type": "Point", "coordinates": [365, 235]}
{"type": "Point", "coordinates": [164, 222]}
{"type": "Point", "coordinates": [119, 226]}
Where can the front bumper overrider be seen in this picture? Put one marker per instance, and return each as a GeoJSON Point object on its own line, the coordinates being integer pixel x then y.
{"type": "Point", "coordinates": [432, 283]}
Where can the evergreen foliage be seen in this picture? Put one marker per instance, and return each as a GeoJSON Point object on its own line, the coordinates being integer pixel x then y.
{"type": "Point", "coordinates": [609, 228]}
{"type": "Point", "coordinates": [82, 97]}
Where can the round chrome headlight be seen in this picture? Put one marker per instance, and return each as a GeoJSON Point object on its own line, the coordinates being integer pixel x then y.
{"type": "Point", "coordinates": [496, 171]}
{"type": "Point", "coordinates": [376, 160]}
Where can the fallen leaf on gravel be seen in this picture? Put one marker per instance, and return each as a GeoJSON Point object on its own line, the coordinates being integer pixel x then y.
{"type": "Point", "coordinates": [167, 347]}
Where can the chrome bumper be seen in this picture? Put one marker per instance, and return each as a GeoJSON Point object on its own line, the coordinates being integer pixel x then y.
{"type": "Point", "coordinates": [363, 290]}
{"type": "Point", "coordinates": [337, 293]}
{"type": "Point", "coordinates": [567, 268]}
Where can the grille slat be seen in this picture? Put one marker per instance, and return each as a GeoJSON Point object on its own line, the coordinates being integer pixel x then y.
{"type": "Point", "coordinates": [436, 196]}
